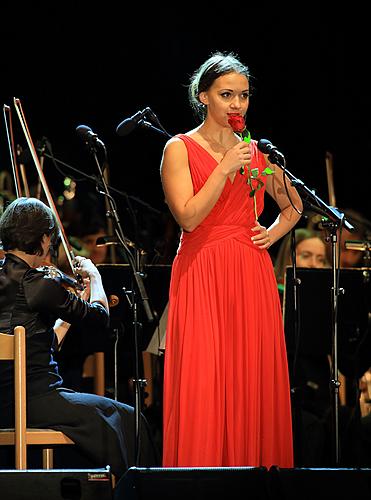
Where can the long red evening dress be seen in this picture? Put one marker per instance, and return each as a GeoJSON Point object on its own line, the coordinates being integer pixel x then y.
{"type": "Point", "coordinates": [226, 385]}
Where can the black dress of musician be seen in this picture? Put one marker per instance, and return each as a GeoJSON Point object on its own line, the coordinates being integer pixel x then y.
{"type": "Point", "coordinates": [102, 429]}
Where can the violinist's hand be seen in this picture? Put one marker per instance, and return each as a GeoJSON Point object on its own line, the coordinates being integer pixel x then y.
{"type": "Point", "coordinates": [84, 267]}
{"type": "Point", "coordinates": [85, 293]}
{"type": "Point", "coordinates": [87, 269]}
{"type": "Point", "coordinates": [262, 238]}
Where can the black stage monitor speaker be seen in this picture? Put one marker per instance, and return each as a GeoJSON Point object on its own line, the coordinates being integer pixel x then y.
{"type": "Point", "coordinates": [56, 484]}
{"type": "Point", "coordinates": [317, 483]}
{"type": "Point", "coordinates": [193, 483]}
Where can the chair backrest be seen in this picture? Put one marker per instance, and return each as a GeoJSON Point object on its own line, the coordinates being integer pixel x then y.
{"type": "Point", "coordinates": [13, 347]}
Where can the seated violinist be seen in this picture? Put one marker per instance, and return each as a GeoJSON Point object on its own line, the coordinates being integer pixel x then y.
{"type": "Point", "coordinates": [102, 429]}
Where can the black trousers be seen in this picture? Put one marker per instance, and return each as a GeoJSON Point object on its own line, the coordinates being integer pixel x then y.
{"type": "Point", "coordinates": [103, 429]}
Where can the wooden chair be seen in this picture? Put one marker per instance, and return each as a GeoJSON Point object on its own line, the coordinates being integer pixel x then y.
{"type": "Point", "coordinates": [13, 347]}
{"type": "Point", "coordinates": [94, 368]}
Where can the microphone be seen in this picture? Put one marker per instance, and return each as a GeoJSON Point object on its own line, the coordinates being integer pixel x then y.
{"type": "Point", "coordinates": [267, 147]}
{"type": "Point", "coordinates": [88, 136]}
{"type": "Point", "coordinates": [129, 124]}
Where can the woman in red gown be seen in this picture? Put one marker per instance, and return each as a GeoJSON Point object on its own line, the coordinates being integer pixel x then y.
{"type": "Point", "coordinates": [226, 386]}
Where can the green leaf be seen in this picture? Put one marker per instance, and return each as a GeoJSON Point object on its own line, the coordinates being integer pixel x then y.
{"type": "Point", "coordinates": [252, 192]}
{"type": "Point", "coordinates": [246, 138]}
{"type": "Point", "coordinates": [254, 172]}
{"type": "Point", "coordinates": [267, 171]}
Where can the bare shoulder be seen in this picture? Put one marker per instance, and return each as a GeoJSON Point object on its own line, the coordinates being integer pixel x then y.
{"type": "Point", "coordinates": [176, 141]}
{"type": "Point", "coordinates": [174, 149]}
{"type": "Point", "coordinates": [175, 161]}
{"type": "Point", "coordinates": [173, 143]}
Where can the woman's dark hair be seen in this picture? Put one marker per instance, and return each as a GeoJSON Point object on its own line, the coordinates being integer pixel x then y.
{"type": "Point", "coordinates": [218, 64]}
{"type": "Point", "coordinates": [24, 223]}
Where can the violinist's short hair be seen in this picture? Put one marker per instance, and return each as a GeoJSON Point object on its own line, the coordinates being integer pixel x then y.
{"type": "Point", "coordinates": [23, 224]}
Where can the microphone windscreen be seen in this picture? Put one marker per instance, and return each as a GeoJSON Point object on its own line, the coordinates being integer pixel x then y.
{"type": "Point", "coordinates": [126, 126]}
{"type": "Point", "coordinates": [83, 130]}
{"type": "Point", "coordinates": [264, 146]}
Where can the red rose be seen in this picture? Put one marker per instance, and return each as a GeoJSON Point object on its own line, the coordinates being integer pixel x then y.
{"type": "Point", "coordinates": [237, 122]}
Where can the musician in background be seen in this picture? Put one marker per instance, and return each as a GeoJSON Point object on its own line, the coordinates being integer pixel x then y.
{"type": "Point", "coordinates": [310, 252]}
{"type": "Point", "coordinates": [348, 257]}
{"type": "Point", "coordinates": [359, 365]}
{"type": "Point", "coordinates": [313, 372]}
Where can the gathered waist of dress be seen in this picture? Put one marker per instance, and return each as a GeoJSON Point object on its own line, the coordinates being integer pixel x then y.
{"type": "Point", "coordinates": [205, 236]}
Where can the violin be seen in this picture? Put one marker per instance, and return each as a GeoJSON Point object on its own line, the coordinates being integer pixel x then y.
{"type": "Point", "coordinates": [66, 280]}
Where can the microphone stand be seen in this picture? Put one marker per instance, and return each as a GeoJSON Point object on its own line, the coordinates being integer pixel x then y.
{"type": "Point", "coordinates": [137, 292]}
{"type": "Point", "coordinates": [335, 219]}
{"type": "Point", "coordinates": [296, 390]}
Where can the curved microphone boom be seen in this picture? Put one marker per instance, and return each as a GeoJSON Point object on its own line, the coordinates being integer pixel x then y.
{"type": "Point", "coordinates": [139, 119]}
{"type": "Point", "coordinates": [129, 124]}
{"type": "Point", "coordinates": [267, 148]}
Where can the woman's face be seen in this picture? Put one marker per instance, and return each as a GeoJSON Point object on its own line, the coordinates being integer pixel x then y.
{"type": "Point", "coordinates": [229, 94]}
{"type": "Point", "coordinates": [311, 253]}
{"type": "Point", "coordinates": [98, 255]}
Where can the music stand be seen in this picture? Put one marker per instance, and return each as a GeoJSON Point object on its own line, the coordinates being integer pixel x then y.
{"type": "Point", "coordinates": [315, 309]}
{"type": "Point", "coordinates": [117, 277]}
{"type": "Point", "coordinates": [314, 338]}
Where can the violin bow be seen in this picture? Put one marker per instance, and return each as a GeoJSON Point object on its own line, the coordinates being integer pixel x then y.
{"type": "Point", "coordinates": [67, 247]}
{"type": "Point", "coordinates": [13, 157]}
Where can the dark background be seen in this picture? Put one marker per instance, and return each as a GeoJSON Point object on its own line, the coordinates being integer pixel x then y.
{"type": "Point", "coordinates": [73, 64]}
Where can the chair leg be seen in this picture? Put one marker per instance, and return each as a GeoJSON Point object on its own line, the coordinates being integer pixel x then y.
{"type": "Point", "coordinates": [47, 458]}
{"type": "Point", "coordinates": [21, 458]}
